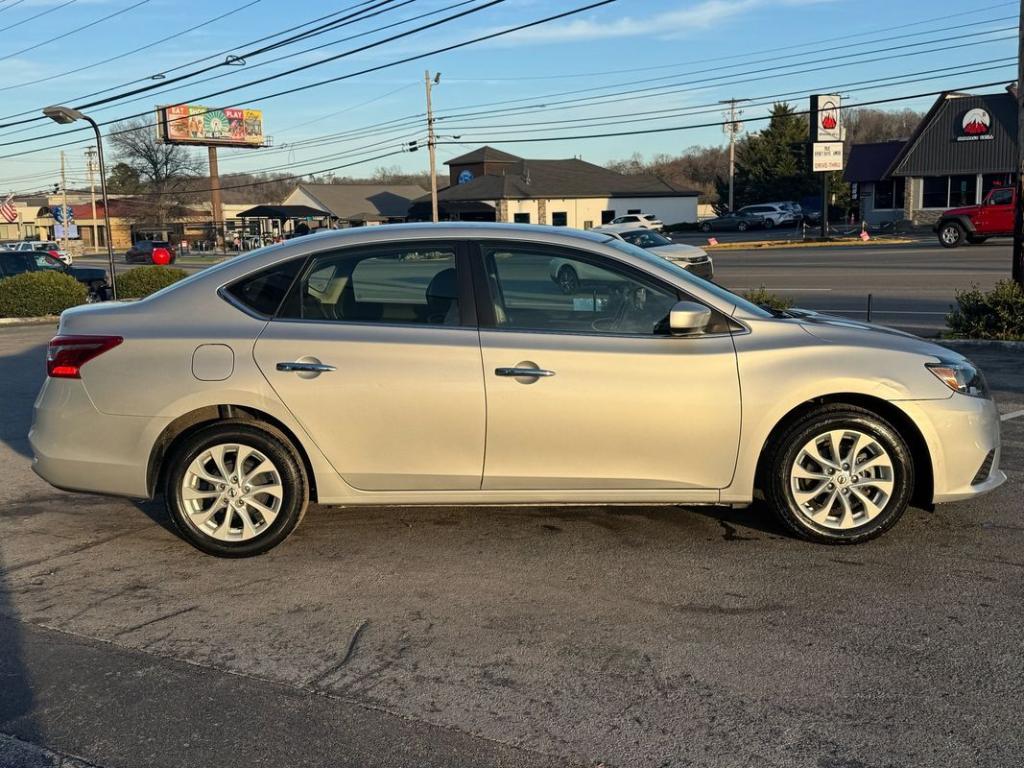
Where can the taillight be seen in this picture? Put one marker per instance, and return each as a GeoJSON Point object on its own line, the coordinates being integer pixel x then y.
{"type": "Point", "coordinates": [67, 354]}
{"type": "Point", "coordinates": [55, 254]}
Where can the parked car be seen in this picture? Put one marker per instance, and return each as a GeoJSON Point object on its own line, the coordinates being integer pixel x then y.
{"type": "Point", "coordinates": [16, 262]}
{"type": "Point", "coordinates": [689, 257]}
{"type": "Point", "coordinates": [977, 223]}
{"type": "Point", "coordinates": [740, 221]}
{"type": "Point", "coordinates": [151, 252]}
{"type": "Point", "coordinates": [774, 214]}
{"type": "Point", "coordinates": [645, 220]}
{"type": "Point", "coordinates": [46, 246]}
{"type": "Point", "coordinates": [341, 370]}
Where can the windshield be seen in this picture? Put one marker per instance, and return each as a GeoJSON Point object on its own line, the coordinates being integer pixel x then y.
{"type": "Point", "coordinates": [707, 285]}
{"type": "Point", "coordinates": [645, 238]}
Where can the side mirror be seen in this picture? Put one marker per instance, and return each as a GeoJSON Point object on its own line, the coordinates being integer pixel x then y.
{"type": "Point", "coordinates": [688, 317]}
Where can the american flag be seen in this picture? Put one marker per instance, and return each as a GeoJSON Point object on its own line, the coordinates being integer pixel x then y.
{"type": "Point", "coordinates": [8, 211]}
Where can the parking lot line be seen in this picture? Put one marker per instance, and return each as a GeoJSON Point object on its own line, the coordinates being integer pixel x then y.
{"type": "Point", "coordinates": [1011, 415]}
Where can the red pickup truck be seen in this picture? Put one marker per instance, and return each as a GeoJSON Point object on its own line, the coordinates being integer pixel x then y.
{"type": "Point", "coordinates": [976, 223]}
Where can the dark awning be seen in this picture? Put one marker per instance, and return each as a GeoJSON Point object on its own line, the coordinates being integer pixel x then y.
{"type": "Point", "coordinates": [282, 212]}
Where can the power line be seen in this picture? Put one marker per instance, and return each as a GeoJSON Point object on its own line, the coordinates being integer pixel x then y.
{"type": "Point", "coordinates": [38, 15]}
{"type": "Point", "coordinates": [75, 31]}
{"type": "Point", "coordinates": [119, 56]}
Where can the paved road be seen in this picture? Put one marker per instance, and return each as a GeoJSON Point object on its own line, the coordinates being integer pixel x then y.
{"type": "Point", "coordinates": [639, 636]}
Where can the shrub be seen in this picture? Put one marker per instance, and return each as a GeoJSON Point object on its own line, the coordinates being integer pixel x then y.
{"type": "Point", "coordinates": [138, 283]}
{"type": "Point", "coordinates": [995, 314]}
{"type": "Point", "coordinates": [35, 294]}
{"type": "Point", "coordinates": [765, 298]}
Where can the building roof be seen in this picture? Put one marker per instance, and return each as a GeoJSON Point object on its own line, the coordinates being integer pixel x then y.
{"type": "Point", "coordinates": [942, 145]}
{"type": "Point", "coordinates": [483, 154]}
{"type": "Point", "coordinates": [362, 202]}
{"type": "Point", "coordinates": [560, 179]}
{"type": "Point", "coordinates": [871, 162]}
{"type": "Point", "coordinates": [281, 212]}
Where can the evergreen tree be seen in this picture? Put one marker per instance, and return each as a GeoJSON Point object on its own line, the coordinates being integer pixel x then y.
{"type": "Point", "coordinates": [772, 165]}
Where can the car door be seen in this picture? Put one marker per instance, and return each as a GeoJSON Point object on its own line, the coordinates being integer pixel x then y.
{"type": "Point", "coordinates": [616, 402]}
{"type": "Point", "coordinates": [996, 215]}
{"type": "Point", "coordinates": [376, 353]}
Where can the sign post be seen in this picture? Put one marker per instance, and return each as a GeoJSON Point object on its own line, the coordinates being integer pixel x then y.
{"type": "Point", "coordinates": [826, 137]}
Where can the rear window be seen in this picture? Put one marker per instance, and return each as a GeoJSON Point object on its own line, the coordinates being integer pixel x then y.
{"type": "Point", "coordinates": [264, 291]}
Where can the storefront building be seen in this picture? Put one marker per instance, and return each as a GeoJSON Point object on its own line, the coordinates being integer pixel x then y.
{"type": "Point", "coordinates": [964, 148]}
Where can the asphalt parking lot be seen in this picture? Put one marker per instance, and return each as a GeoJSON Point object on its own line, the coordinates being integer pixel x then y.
{"type": "Point", "coordinates": [633, 636]}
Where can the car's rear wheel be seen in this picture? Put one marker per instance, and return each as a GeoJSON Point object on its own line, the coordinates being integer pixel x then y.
{"type": "Point", "coordinates": [568, 280]}
{"type": "Point", "coordinates": [705, 227]}
{"type": "Point", "coordinates": [951, 234]}
{"type": "Point", "coordinates": [235, 490]}
{"type": "Point", "coordinates": [839, 475]}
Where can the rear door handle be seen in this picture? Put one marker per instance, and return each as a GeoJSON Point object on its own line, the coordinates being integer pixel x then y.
{"type": "Point", "coordinates": [306, 367]}
{"type": "Point", "coordinates": [518, 373]}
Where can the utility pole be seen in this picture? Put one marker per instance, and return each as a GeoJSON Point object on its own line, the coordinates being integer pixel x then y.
{"type": "Point", "coordinates": [90, 164]}
{"type": "Point", "coordinates": [64, 205]}
{"type": "Point", "coordinates": [215, 199]}
{"type": "Point", "coordinates": [732, 128]}
{"type": "Point", "coordinates": [1017, 269]}
{"type": "Point", "coordinates": [432, 141]}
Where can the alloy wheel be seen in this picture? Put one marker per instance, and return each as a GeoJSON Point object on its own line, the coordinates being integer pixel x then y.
{"type": "Point", "coordinates": [842, 479]}
{"type": "Point", "coordinates": [232, 492]}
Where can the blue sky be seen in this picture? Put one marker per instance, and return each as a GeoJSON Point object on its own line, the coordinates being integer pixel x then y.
{"type": "Point", "coordinates": [631, 65]}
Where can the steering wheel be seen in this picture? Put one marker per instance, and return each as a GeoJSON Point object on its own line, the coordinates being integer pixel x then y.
{"type": "Point", "coordinates": [631, 300]}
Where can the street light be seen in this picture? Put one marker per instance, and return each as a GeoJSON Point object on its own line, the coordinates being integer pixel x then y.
{"type": "Point", "coordinates": [65, 115]}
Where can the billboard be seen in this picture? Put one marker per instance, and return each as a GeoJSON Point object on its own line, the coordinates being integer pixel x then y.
{"type": "Point", "coordinates": [827, 118]}
{"type": "Point", "coordinates": [194, 124]}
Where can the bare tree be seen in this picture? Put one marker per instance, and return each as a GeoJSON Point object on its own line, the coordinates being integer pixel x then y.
{"type": "Point", "coordinates": [163, 169]}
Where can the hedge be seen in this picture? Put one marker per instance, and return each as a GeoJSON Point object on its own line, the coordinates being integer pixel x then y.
{"type": "Point", "coordinates": [139, 282]}
{"type": "Point", "coordinates": [35, 294]}
{"type": "Point", "coordinates": [995, 314]}
{"type": "Point", "coordinates": [765, 298]}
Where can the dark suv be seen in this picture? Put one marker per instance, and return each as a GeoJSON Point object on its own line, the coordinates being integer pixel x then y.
{"type": "Point", "coordinates": [15, 262]}
{"type": "Point", "coordinates": [151, 252]}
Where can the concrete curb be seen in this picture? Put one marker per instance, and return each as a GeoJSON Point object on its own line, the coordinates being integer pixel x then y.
{"type": "Point", "coordinates": [7, 322]}
{"type": "Point", "coordinates": [1017, 346]}
{"type": "Point", "coordinates": [772, 244]}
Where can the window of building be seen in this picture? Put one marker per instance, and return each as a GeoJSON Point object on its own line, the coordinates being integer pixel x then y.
{"type": "Point", "coordinates": [521, 218]}
{"type": "Point", "coordinates": [992, 181]}
{"type": "Point", "coordinates": [963, 190]}
{"type": "Point", "coordinates": [588, 224]}
{"type": "Point", "coordinates": [560, 219]}
{"type": "Point", "coordinates": [607, 216]}
{"type": "Point", "coordinates": [634, 210]}
{"type": "Point", "coordinates": [540, 289]}
{"type": "Point", "coordinates": [415, 285]}
{"type": "Point", "coordinates": [889, 194]}
{"type": "Point", "coordinates": [935, 192]}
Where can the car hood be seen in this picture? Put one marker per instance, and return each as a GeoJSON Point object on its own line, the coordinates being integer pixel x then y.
{"type": "Point", "coordinates": [841, 330]}
{"type": "Point", "coordinates": [965, 211]}
{"type": "Point", "coordinates": [678, 251]}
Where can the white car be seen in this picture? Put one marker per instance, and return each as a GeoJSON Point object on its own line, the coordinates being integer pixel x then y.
{"type": "Point", "coordinates": [774, 214]}
{"type": "Point", "coordinates": [47, 246]}
{"type": "Point", "coordinates": [634, 220]}
{"type": "Point", "coordinates": [692, 259]}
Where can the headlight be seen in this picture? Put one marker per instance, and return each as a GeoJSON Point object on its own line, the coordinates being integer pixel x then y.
{"type": "Point", "coordinates": [960, 376]}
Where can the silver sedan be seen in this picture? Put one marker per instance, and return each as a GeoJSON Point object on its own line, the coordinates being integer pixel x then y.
{"type": "Point", "coordinates": [441, 364]}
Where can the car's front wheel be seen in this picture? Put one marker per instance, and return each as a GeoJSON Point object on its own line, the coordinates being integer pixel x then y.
{"type": "Point", "coordinates": [705, 227]}
{"type": "Point", "coordinates": [742, 226]}
{"type": "Point", "coordinates": [768, 223]}
{"type": "Point", "coordinates": [951, 234]}
{"type": "Point", "coordinates": [235, 490]}
{"type": "Point", "coordinates": [839, 475]}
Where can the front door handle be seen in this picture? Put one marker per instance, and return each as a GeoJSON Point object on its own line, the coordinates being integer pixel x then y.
{"type": "Point", "coordinates": [523, 372]}
{"type": "Point", "coordinates": [300, 367]}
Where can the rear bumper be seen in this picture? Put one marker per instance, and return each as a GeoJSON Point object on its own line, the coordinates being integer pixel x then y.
{"type": "Point", "coordinates": [78, 448]}
{"type": "Point", "coordinates": [960, 432]}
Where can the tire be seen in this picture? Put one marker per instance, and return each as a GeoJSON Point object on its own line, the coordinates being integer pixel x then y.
{"type": "Point", "coordinates": [768, 223]}
{"type": "Point", "coordinates": [568, 280]}
{"type": "Point", "coordinates": [951, 234]}
{"type": "Point", "coordinates": [838, 506]}
{"type": "Point", "coordinates": [741, 227]}
{"type": "Point", "coordinates": [250, 530]}
{"type": "Point", "coordinates": [705, 227]}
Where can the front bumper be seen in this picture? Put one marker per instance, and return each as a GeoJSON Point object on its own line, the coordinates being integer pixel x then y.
{"type": "Point", "coordinates": [961, 432]}
{"type": "Point", "coordinates": [705, 269]}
